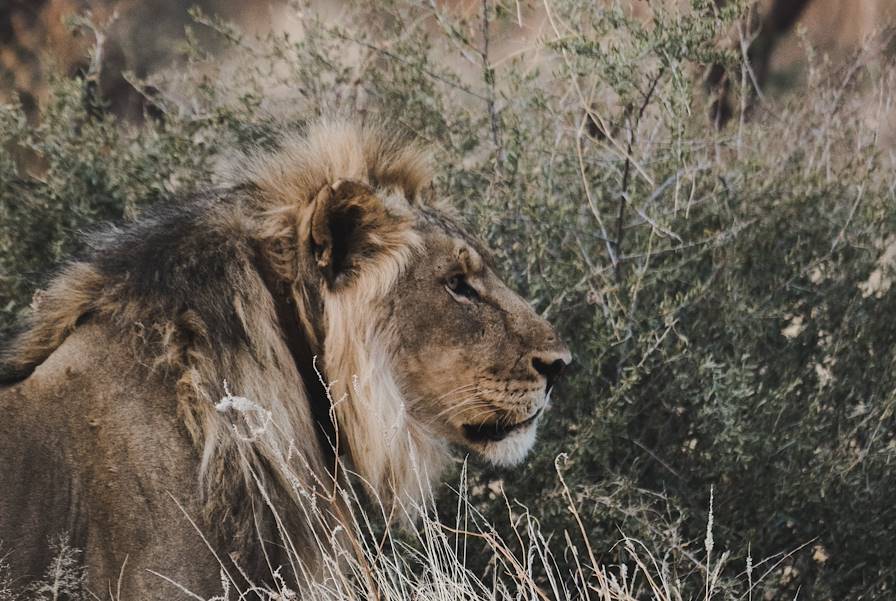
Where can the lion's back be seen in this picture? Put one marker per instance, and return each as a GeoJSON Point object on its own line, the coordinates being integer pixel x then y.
{"type": "Point", "coordinates": [92, 446]}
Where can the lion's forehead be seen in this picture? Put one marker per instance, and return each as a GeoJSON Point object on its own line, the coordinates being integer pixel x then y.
{"type": "Point", "coordinates": [434, 221]}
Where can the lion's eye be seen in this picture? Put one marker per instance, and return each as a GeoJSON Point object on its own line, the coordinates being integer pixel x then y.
{"type": "Point", "coordinates": [458, 287]}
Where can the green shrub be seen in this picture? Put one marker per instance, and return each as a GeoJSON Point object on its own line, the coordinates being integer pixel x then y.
{"type": "Point", "coordinates": [726, 294]}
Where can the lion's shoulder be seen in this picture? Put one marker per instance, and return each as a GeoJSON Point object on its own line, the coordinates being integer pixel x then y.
{"type": "Point", "coordinates": [97, 412]}
{"type": "Point", "coordinates": [94, 376]}
{"type": "Point", "coordinates": [93, 449]}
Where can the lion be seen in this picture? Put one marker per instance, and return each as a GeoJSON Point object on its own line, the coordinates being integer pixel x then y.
{"type": "Point", "coordinates": [329, 287]}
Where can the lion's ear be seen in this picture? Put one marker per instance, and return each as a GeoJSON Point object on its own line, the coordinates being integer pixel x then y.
{"type": "Point", "coordinates": [344, 222]}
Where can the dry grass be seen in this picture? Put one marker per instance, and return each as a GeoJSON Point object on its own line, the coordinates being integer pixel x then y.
{"type": "Point", "coordinates": [410, 551]}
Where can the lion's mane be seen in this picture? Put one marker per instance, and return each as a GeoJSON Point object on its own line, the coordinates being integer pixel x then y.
{"type": "Point", "coordinates": [198, 289]}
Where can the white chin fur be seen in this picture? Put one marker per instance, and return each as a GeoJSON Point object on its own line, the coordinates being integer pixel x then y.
{"type": "Point", "coordinates": [511, 450]}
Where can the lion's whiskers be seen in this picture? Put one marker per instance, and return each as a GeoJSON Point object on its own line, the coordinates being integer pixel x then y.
{"type": "Point", "coordinates": [469, 403]}
{"type": "Point", "coordinates": [482, 407]}
{"type": "Point", "coordinates": [487, 410]}
{"type": "Point", "coordinates": [463, 387]}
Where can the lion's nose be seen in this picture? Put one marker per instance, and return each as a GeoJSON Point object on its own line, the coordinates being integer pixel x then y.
{"type": "Point", "coordinates": [551, 365]}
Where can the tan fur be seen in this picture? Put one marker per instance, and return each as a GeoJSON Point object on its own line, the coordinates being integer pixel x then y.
{"type": "Point", "coordinates": [282, 239]}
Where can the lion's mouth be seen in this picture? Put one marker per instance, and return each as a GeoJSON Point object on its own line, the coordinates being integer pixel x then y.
{"type": "Point", "coordinates": [495, 431]}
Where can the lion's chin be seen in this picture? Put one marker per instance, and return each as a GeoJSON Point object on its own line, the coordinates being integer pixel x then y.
{"type": "Point", "coordinates": [510, 450]}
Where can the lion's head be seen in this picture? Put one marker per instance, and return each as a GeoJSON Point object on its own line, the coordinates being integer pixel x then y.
{"type": "Point", "coordinates": [474, 359]}
{"type": "Point", "coordinates": [426, 343]}
{"type": "Point", "coordinates": [474, 363]}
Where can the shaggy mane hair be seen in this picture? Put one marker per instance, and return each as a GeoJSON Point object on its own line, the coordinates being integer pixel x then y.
{"type": "Point", "coordinates": [195, 288]}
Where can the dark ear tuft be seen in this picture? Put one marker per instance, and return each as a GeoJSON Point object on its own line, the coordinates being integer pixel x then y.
{"type": "Point", "coordinates": [346, 214]}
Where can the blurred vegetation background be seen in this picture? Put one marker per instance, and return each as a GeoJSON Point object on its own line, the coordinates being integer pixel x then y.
{"type": "Point", "coordinates": [727, 291]}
